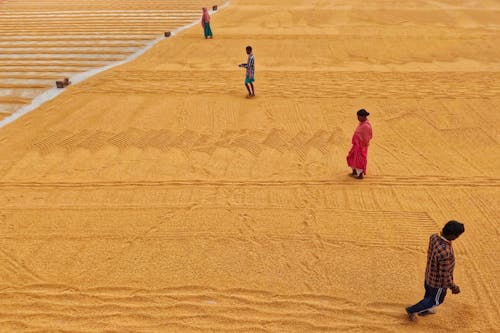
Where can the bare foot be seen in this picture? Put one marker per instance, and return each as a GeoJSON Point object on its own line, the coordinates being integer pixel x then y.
{"type": "Point", "coordinates": [411, 315]}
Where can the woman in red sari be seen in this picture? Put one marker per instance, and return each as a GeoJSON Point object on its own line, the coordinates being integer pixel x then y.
{"type": "Point", "coordinates": [357, 157]}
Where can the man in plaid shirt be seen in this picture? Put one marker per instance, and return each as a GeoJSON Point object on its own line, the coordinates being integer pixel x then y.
{"type": "Point", "coordinates": [439, 270]}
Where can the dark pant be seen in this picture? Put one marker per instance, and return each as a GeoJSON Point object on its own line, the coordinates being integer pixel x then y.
{"type": "Point", "coordinates": [207, 31]}
{"type": "Point", "coordinates": [433, 297]}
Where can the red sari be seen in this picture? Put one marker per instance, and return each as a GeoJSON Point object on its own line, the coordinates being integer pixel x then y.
{"type": "Point", "coordinates": [357, 157]}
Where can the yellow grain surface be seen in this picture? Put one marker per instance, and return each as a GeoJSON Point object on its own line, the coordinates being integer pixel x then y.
{"type": "Point", "coordinates": [155, 197]}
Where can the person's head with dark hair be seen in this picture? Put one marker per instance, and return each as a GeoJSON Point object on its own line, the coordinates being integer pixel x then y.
{"type": "Point", "coordinates": [249, 49]}
{"type": "Point", "coordinates": [452, 230]}
{"type": "Point", "coordinates": [362, 114]}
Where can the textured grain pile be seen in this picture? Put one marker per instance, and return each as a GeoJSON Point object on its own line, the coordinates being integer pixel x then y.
{"type": "Point", "coordinates": [44, 40]}
{"type": "Point", "coordinates": [155, 197]}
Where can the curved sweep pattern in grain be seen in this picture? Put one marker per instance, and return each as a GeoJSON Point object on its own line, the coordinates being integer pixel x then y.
{"type": "Point", "coordinates": [186, 309]}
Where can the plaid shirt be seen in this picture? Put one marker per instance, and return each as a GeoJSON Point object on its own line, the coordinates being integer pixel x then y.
{"type": "Point", "coordinates": [440, 263]}
{"type": "Point", "coordinates": [250, 66]}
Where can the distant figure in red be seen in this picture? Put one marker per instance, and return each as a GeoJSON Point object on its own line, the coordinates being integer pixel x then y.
{"type": "Point", "coordinates": [357, 157]}
{"type": "Point", "coordinates": [205, 23]}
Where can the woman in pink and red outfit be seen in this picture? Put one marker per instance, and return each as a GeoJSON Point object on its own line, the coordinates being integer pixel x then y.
{"type": "Point", "coordinates": [357, 157]}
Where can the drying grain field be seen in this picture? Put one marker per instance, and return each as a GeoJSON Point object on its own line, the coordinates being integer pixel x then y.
{"type": "Point", "coordinates": [155, 197]}
{"type": "Point", "coordinates": [44, 41]}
